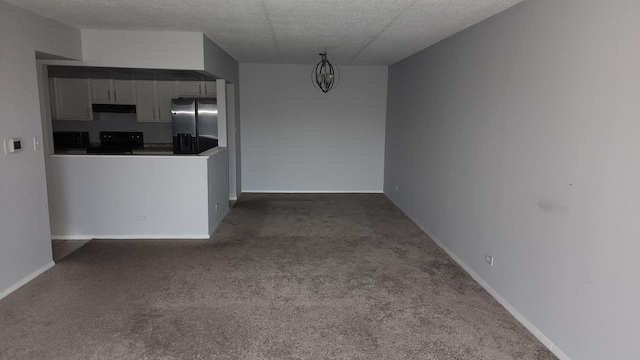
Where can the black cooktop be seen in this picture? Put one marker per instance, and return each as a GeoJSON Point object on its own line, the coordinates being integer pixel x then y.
{"type": "Point", "coordinates": [118, 142]}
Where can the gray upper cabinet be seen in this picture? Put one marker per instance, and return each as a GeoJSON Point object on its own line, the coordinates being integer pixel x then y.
{"type": "Point", "coordinates": [197, 88]}
{"type": "Point", "coordinates": [210, 88]}
{"type": "Point", "coordinates": [146, 109]}
{"type": "Point", "coordinates": [124, 91]}
{"type": "Point", "coordinates": [190, 88]}
{"type": "Point", "coordinates": [107, 91]}
{"type": "Point", "coordinates": [101, 91]}
{"type": "Point", "coordinates": [52, 98]}
{"type": "Point", "coordinates": [72, 100]}
{"type": "Point", "coordinates": [154, 100]}
{"type": "Point", "coordinates": [166, 90]}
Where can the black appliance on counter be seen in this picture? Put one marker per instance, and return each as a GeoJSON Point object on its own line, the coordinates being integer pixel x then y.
{"type": "Point", "coordinates": [195, 125]}
{"type": "Point", "coordinates": [66, 140]}
{"type": "Point", "coordinates": [118, 142]}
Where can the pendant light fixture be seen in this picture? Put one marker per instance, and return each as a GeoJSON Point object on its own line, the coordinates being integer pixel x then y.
{"type": "Point", "coordinates": [324, 76]}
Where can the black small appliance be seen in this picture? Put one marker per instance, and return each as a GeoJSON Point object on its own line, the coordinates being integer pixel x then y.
{"type": "Point", "coordinates": [65, 140]}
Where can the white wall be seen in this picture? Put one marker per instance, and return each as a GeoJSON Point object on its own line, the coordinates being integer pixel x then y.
{"type": "Point", "coordinates": [520, 138]}
{"type": "Point", "coordinates": [168, 50]}
{"type": "Point", "coordinates": [297, 139]}
{"type": "Point", "coordinates": [218, 186]}
{"type": "Point", "coordinates": [104, 196]}
{"type": "Point", "coordinates": [218, 62]}
{"type": "Point", "coordinates": [143, 49]}
{"type": "Point", "coordinates": [25, 244]}
{"type": "Point", "coordinates": [221, 100]}
{"type": "Point", "coordinates": [233, 142]}
{"type": "Point", "coordinates": [171, 50]}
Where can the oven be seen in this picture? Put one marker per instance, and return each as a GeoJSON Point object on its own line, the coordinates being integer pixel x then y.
{"type": "Point", "coordinates": [118, 142]}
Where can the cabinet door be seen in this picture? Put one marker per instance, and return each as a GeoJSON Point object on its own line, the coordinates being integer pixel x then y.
{"type": "Point", "coordinates": [124, 92]}
{"type": "Point", "coordinates": [52, 99]}
{"type": "Point", "coordinates": [101, 91]}
{"type": "Point", "coordinates": [190, 88]}
{"type": "Point", "coordinates": [210, 88]}
{"type": "Point", "coordinates": [72, 99]}
{"type": "Point", "coordinates": [167, 90]}
{"type": "Point", "coordinates": [146, 101]}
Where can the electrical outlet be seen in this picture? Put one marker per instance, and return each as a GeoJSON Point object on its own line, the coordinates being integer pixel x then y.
{"type": "Point", "coordinates": [489, 259]}
{"type": "Point", "coordinates": [216, 206]}
{"type": "Point", "coordinates": [142, 217]}
{"type": "Point", "coordinates": [396, 187]}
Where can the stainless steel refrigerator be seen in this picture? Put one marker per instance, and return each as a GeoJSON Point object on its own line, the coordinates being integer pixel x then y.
{"type": "Point", "coordinates": [195, 125]}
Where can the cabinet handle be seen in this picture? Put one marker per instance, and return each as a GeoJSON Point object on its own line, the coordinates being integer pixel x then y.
{"type": "Point", "coordinates": [205, 89]}
{"type": "Point", "coordinates": [109, 95]}
{"type": "Point", "coordinates": [159, 114]}
{"type": "Point", "coordinates": [154, 114]}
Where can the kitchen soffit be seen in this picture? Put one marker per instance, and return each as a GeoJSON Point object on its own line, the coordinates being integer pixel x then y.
{"type": "Point", "coordinates": [125, 73]}
{"type": "Point", "coordinates": [355, 32]}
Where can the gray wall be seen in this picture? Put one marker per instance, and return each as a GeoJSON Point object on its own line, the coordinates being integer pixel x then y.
{"type": "Point", "coordinates": [25, 242]}
{"type": "Point", "coordinates": [520, 137]}
{"type": "Point", "coordinates": [219, 63]}
{"type": "Point", "coordinates": [297, 139]}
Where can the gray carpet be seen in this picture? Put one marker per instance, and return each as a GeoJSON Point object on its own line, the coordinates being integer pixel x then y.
{"type": "Point", "coordinates": [285, 277]}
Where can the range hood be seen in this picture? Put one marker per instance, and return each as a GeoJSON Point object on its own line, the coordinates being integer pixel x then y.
{"type": "Point", "coordinates": [114, 108]}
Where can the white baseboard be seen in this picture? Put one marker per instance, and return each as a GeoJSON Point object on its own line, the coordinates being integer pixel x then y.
{"type": "Point", "coordinates": [312, 192]}
{"type": "Point", "coordinates": [25, 280]}
{"type": "Point", "coordinates": [215, 227]}
{"type": "Point", "coordinates": [127, 237]}
{"type": "Point", "coordinates": [142, 237]}
{"type": "Point", "coordinates": [71, 237]}
{"type": "Point", "coordinates": [512, 310]}
{"type": "Point", "coordinates": [521, 318]}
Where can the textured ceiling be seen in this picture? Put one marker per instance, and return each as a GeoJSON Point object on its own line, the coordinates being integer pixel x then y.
{"type": "Point", "coordinates": [355, 32]}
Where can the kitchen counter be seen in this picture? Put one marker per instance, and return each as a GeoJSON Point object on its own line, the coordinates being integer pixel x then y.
{"type": "Point", "coordinates": [142, 151]}
{"type": "Point", "coordinates": [138, 196]}
{"type": "Point", "coordinates": [146, 151]}
{"type": "Point", "coordinates": [153, 151]}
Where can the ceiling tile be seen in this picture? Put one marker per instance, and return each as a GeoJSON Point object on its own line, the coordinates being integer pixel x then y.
{"type": "Point", "coordinates": [357, 32]}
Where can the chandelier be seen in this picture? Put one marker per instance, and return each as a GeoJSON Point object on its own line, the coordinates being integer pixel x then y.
{"type": "Point", "coordinates": [324, 76]}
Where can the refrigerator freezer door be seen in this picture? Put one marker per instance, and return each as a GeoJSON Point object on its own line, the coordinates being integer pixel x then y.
{"type": "Point", "coordinates": [207, 124]}
{"type": "Point", "coordinates": [183, 112]}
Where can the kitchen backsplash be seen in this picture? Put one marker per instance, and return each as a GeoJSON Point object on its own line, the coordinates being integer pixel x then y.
{"type": "Point", "coordinates": [160, 133]}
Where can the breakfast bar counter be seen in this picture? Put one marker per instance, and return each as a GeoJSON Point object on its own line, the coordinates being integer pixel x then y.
{"type": "Point", "coordinates": [137, 196]}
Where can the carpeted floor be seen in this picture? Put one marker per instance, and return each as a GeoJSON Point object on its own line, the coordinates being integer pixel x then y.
{"type": "Point", "coordinates": [285, 277]}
